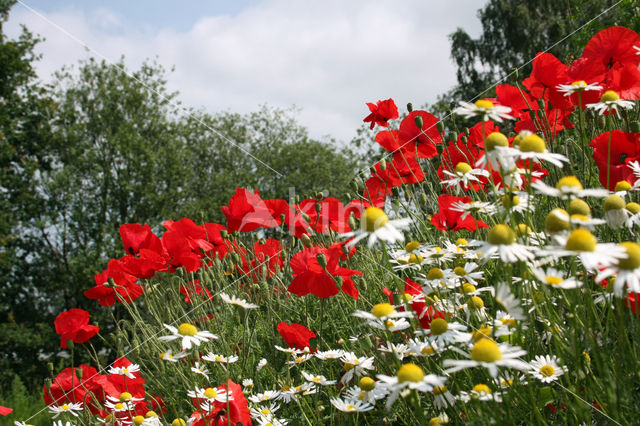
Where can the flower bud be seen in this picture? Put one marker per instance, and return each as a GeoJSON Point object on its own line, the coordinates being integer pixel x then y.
{"type": "Point", "coordinates": [635, 126]}
{"type": "Point", "coordinates": [409, 107]}
{"type": "Point", "coordinates": [418, 120]}
{"type": "Point", "coordinates": [224, 234]}
{"type": "Point", "coordinates": [383, 164]}
{"type": "Point", "coordinates": [306, 241]}
{"type": "Point", "coordinates": [440, 126]}
{"type": "Point", "coordinates": [322, 260]}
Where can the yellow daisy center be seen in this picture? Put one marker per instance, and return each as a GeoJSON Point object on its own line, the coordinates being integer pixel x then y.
{"type": "Point", "coordinates": [623, 185]}
{"type": "Point", "coordinates": [482, 333]}
{"type": "Point", "coordinates": [633, 259]}
{"type": "Point", "coordinates": [462, 168]}
{"type": "Point", "coordinates": [533, 143]}
{"type": "Point", "coordinates": [569, 182]}
{"type": "Point", "coordinates": [547, 370]}
{"type": "Point", "coordinates": [439, 326]}
{"type": "Point", "coordinates": [609, 96]}
{"type": "Point", "coordinates": [265, 411]}
{"type": "Point", "coordinates": [367, 384]}
{"type": "Point", "coordinates": [351, 407]}
{"type": "Point", "coordinates": [186, 329]}
{"type": "Point", "coordinates": [428, 350]}
{"type": "Point", "coordinates": [510, 200]}
{"type": "Point", "coordinates": [509, 322]}
{"type": "Point", "coordinates": [151, 414]}
{"type": "Point", "coordinates": [439, 390]}
{"type": "Point", "coordinates": [125, 396]}
{"type": "Point", "coordinates": [373, 219]}
{"type": "Point", "coordinates": [138, 420]}
{"type": "Point", "coordinates": [557, 221]}
{"type": "Point", "coordinates": [484, 104]}
{"type": "Point", "coordinates": [501, 234]}
{"type": "Point", "coordinates": [435, 274]}
{"type": "Point", "coordinates": [486, 350]}
{"type": "Point", "coordinates": [495, 139]}
{"type": "Point", "coordinates": [65, 407]}
{"type": "Point", "coordinates": [614, 202]}
{"type": "Point", "coordinates": [475, 303]}
{"type": "Point", "coordinates": [467, 288]}
{"type": "Point", "coordinates": [578, 206]}
{"type": "Point", "coordinates": [579, 83]}
{"type": "Point", "coordinates": [119, 406]}
{"type": "Point", "coordinates": [382, 310]}
{"type": "Point", "coordinates": [480, 388]}
{"type": "Point", "coordinates": [522, 230]}
{"type": "Point", "coordinates": [553, 280]}
{"type": "Point", "coordinates": [461, 242]}
{"type": "Point", "coordinates": [411, 246]}
{"type": "Point", "coordinates": [459, 271]}
{"type": "Point", "coordinates": [415, 259]}
{"type": "Point", "coordinates": [178, 422]}
{"type": "Point", "coordinates": [581, 240]}
{"type": "Point", "coordinates": [410, 373]}
{"type": "Point", "coordinates": [210, 393]}
{"type": "Point", "coordinates": [633, 207]}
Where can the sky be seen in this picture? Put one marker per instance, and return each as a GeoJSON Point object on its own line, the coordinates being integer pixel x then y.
{"type": "Point", "coordinates": [327, 58]}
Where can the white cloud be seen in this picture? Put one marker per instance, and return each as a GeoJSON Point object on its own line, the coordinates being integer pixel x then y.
{"type": "Point", "coordinates": [327, 58]}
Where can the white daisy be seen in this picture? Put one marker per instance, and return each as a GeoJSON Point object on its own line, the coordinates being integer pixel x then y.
{"type": "Point", "coordinates": [473, 207]}
{"type": "Point", "coordinates": [70, 408]}
{"type": "Point", "coordinates": [506, 299]}
{"type": "Point", "coordinates": [383, 316]}
{"type": "Point", "coordinates": [409, 376]}
{"type": "Point", "coordinates": [583, 244]}
{"type": "Point", "coordinates": [485, 109]}
{"type": "Point", "coordinates": [355, 366]}
{"type": "Point", "coordinates": [397, 349]}
{"type": "Point", "coordinates": [546, 368]}
{"type": "Point", "coordinates": [233, 300]}
{"type": "Point", "coordinates": [329, 354]}
{"type": "Point", "coordinates": [577, 86]}
{"type": "Point", "coordinates": [568, 187]}
{"type": "Point", "coordinates": [317, 379]}
{"type": "Point", "coordinates": [200, 369]}
{"type": "Point", "coordinates": [270, 395]}
{"type": "Point", "coordinates": [376, 225]}
{"type": "Point", "coordinates": [288, 393]}
{"type": "Point", "coordinates": [556, 279]}
{"type": "Point", "coordinates": [463, 177]}
{"type": "Point", "coordinates": [533, 147]}
{"type": "Point", "coordinates": [488, 354]}
{"type": "Point", "coordinates": [367, 391]}
{"type": "Point", "coordinates": [480, 392]}
{"type": "Point", "coordinates": [189, 334]}
{"type": "Point", "coordinates": [125, 371]}
{"type": "Point", "coordinates": [501, 243]}
{"type": "Point", "coordinates": [261, 364]}
{"type": "Point", "coordinates": [211, 394]}
{"type": "Point", "coordinates": [350, 405]}
{"type": "Point", "coordinates": [442, 397]}
{"type": "Point", "coordinates": [211, 357]}
{"type": "Point", "coordinates": [611, 102]}
{"type": "Point", "coordinates": [171, 357]}
{"type": "Point", "coordinates": [265, 410]}
{"type": "Point", "coordinates": [443, 333]}
{"type": "Point", "coordinates": [626, 270]}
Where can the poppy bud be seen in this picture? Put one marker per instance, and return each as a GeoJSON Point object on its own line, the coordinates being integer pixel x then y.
{"type": "Point", "coordinates": [318, 207]}
{"type": "Point", "coordinates": [440, 126]}
{"type": "Point", "coordinates": [48, 383]}
{"type": "Point", "coordinates": [467, 131]}
{"type": "Point", "coordinates": [453, 136]}
{"type": "Point", "coordinates": [306, 241]}
{"type": "Point", "coordinates": [383, 164]}
{"type": "Point", "coordinates": [305, 216]}
{"type": "Point", "coordinates": [418, 120]}
{"type": "Point", "coordinates": [407, 197]}
{"type": "Point", "coordinates": [395, 191]}
{"type": "Point", "coordinates": [322, 260]}
{"type": "Point", "coordinates": [224, 234]}
{"type": "Point", "coordinates": [541, 104]}
{"type": "Point", "coordinates": [464, 139]}
{"type": "Point", "coordinates": [409, 107]}
{"type": "Point", "coordinates": [425, 199]}
{"type": "Point", "coordinates": [635, 126]}
{"type": "Point", "coordinates": [50, 367]}
{"type": "Point", "coordinates": [319, 195]}
{"type": "Point", "coordinates": [70, 344]}
{"type": "Point", "coordinates": [79, 373]}
{"type": "Point", "coordinates": [373, 170]}
{"type": "Point", "coordinates": [352, 222]}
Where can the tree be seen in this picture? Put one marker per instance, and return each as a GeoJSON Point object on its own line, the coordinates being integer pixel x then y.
{"type": "Point", "coordinates": [514, 31]}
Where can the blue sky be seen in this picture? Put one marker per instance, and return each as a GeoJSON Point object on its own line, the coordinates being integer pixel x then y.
{"type": "Point", "coordinates": [327, 58]}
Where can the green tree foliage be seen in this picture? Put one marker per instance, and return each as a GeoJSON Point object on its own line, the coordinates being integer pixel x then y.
{"type": "Point", "coordinates": [25, 111]}
{"type": "Point", "coordinates": [514, 31]}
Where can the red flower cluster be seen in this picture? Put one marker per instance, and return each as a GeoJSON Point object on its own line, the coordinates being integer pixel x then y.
{"type": "Point", "coordinates": [74, 325]}
{"type": "Point", "coordinates": [296, 335]}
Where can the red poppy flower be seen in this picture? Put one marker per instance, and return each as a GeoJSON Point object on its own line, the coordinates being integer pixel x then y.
{"type": "Point", "coordinates": [381, 113]}
{"type": "Point", "coordinates": [450, 220]}
{"type": "Point", "coordinates": [114, 280]}
{"type": "Point", "coordinates": [312, 278]}
{"type": "Point", "coordinates": [325, 214]}
{"type": "Point", "coordinates": [421, 140]}
{"type": "Point", "coordinates": [296, 335]}
{"type": "Point", "coordinates": [247, 211]}
{"type": "Point", "coordinates": [5, 411]}
{"type": "Point", "coordinates": [548, 72]}
{"type": "Point", "coordinates": [613, 45]}
{"type": "Point", "coordinates": [67, 387]}
{"type": "Point", "coordinates": [136, 236]}
{"type": "Point", "coordinates": [625, 147]}
{"type": "Point", "coordinates": [233, 412]}
{"type": "Point", "coordinates": [74, 325]}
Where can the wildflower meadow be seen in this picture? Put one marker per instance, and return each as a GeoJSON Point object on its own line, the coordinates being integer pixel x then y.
{"type": "Point", "coordinates": [485, 271]}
